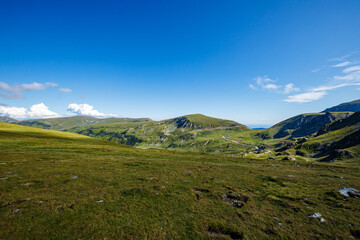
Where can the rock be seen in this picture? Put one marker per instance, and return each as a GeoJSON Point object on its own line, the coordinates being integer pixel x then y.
{"type": "Point", "coordinates": [322, 220]}
{"type": "Point", "coordinates": [236, 201]}
{"type": "Point", "coordinates": [349, 192]}
{"type": "Point", "coordinates": [74, 177]}
{"type": "Point", "coordinates": [315, 215]}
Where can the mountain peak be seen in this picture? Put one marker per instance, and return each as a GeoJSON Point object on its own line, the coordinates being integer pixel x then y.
{"type": "Point", "coordinates": [352, 106]}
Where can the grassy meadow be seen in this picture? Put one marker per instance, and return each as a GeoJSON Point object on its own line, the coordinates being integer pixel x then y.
{"type": "Point", "coordinates": [60, 185]}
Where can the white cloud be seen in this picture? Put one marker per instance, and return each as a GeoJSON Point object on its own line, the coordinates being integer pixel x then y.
{"type": "Point", "coordinates": [306, 97]}
{"type": "Point", "coordinates": [65, 90]}
{"type": "Point", "coordinates": [266, 83]}
{"type": "Point", "coordinates": [271, 86]}
{"type": "Point", "coordinates": [315, 70]}
{"type": "Point", "coordinates": [290, 88]}
{"type": "Point", "coordinates": [86, 109]}
{"type": "Point", "coordinates": [342, 64]}
{"type": "Point", "coordinates": [351, 69]}
{"type": "Point", "coordinates": [35, 111]}
{"type": "Point", "coordinates": [339, 59]}
{"type": "Point", "coordinates": [17, 91]}
{"type": "Point", "coordinates": [350, 77]}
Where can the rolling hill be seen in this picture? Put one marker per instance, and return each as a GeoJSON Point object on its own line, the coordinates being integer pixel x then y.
{"type": "Point", "coordinates": [182, 133]}
{"type": "Point", "coordinates": [67, 123]}
{"type": "Point", "coordinates": [60, 185]}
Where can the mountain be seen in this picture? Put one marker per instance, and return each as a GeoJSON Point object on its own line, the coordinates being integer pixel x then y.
{"type": "Point", "coordinates": [7, 119]}
{"type": "Point", "coordinates": [195, 132]}
{"type": "Point", "coordinates": [353, 106]}
{"type": "Point", "coordinates": [338, 139]}
{"type": "Point", "coordinates": [67, 123]}
{"type": "Point", "coordinates": [304, 125]}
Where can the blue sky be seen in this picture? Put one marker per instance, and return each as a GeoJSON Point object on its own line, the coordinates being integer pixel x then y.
{"type": "Point", "coordinates": [256, 62]}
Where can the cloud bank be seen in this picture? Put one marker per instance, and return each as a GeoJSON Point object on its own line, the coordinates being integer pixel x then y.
{"type": "Point", "coordinates": [86, 109]}
{"type": "Point", "coordinates": [17, 91]}
{"type": "Point", "coordinates": [35, 111]}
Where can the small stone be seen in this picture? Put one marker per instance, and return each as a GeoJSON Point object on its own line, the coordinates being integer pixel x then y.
{"type": "Point", "coordinates": [276, 218]}
{"type": "Point", "coordinates": [186, 180]}
{"type": "Point", "coordinates": [3, 178]}
{"type": "Point", "coordinates": [315, 215]}
{"type": "Point", "coordinates": [280, 224]}
{"type": "Point", "coordinates": [290, 175]}
{"type": "Point", "coordinates": [349, 192]}
{"type": "Point", "coordinates": [100, 201]}
{"type": "Point", "coordinates": [74, 177]}
{"type": "Point", "coordinates": [2, 163]}
{"type": "Point", "coordinates": [16, 211]}
{"type": "Point", "coordinates": [322, 220]}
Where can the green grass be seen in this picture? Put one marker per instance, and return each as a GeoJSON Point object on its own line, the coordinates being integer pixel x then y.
{"type": "Point", "coordinates": [161, 194]}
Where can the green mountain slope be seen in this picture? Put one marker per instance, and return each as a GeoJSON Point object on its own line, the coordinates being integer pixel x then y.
{"type": "Point", "coordinates": [304, 125]}
{"type": "Point", "coordinates": [191, 132]}
{"type": "Point", "coordinates": [7, 119]}
{"type": "Point", "coordinates": [339, 139]}
{"type": "Point", "coordinates": [59, 185]}
{"type": "Point", "coordinates": [353, 106]}
{"type": "Point", "coordinates": [67, 123]}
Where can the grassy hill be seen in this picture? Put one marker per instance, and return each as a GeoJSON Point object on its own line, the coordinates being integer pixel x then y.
{"type": "Point", "coordinates": [59, 185]}
{"type": "Point", "coordinates": [191, 132]}
{"type": "Point", "coordinates": [67, 123]}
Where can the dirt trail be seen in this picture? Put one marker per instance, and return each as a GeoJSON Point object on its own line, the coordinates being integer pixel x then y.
{"type": "Point", "coordinates": [236, 142]}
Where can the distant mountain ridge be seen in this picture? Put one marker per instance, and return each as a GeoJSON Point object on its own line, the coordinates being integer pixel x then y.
{"type": "Point", "coordinates": [353, 106]}
{"type": "Point", "coordinates": [67, 123]}
{"type": "Point", "coordinates": [305, 124]}
{"type": "Point", "coordinates": [8, 119]}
